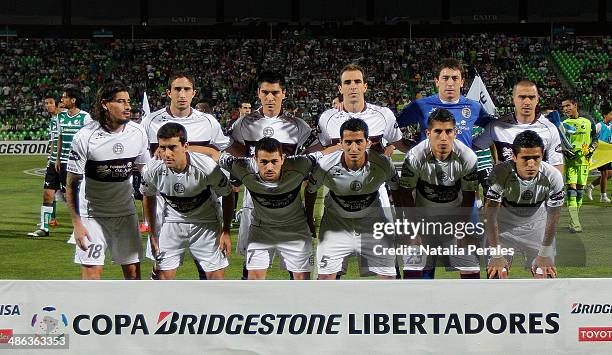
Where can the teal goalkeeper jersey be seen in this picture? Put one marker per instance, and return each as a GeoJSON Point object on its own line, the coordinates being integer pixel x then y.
{"type": "Point", "coordinates": [68, 126]}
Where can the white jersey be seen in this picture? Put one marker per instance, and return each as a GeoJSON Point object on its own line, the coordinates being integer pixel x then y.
{"type": "Point", "coordinates": [501, 133]}
{"type": "Point", "coordinates": [188, 193]}
{"type": "Point", "coordinates": [382, 125]}
{"type": "Point", "coordinates": [291, 131]}
{"type": "Point", "coordinates": [521, 199]}
{"type": "Point", "coordinates": [107, 160]}
{"type": "Point", "coordinates": [352, 193]}
{"type": "Point", "coordinates": [202, 129]}
{"type": "Point", "coordinates": [439, 183]}
{"type": "Point", "coordinates": [275, 203]}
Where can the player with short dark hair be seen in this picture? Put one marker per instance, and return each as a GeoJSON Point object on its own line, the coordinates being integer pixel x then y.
{"type": "Point", "coordinates": [522, 208]}
{"type": "Point", "coordinates": [99, 192]}
{"type": "Point", "coordinates": [188, 182]}
{"type": "Point", "coordinates": [443, 171]}
{"type": "Point", "coordinates": [353, 176]}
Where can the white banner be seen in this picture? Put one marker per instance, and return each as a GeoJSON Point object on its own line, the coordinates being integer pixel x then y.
{"type": "Point", "coordinates": [24, 148]}
{"type": "Point", "coordinates": [310, 317]}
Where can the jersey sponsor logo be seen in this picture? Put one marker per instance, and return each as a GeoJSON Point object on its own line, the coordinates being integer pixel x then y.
{"type": "Point", "coordinates": [277, 200]}
{"type": "Point", "coordinates": [268, 132]}
{"type": "Point", "coordinates": [116, 170]}
{"type": "Point", "coordinates": [354, 203]}
{"type": "Point", "coordinates": [527, 195]}
{"type": "Point", "coordinates": [179, 188]}
{"type": "Point", "coordinates": [438, 193]}
{"type": "Point", "coordinates": [466, 112]}
{"type": "Point", "coordinates": [185, 204]}
{"type": "Point", "coordinates": [72, 155]}
{"type": "Point", "coordinates": [118, 148]}
{"type": "Point", "coordinates": [356, 185]}
{"type": "Point", "coordinates": [524, 210]}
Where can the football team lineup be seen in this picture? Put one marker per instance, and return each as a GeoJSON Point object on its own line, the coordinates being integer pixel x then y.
{"type": "Point", "coordinates": [185, 160]}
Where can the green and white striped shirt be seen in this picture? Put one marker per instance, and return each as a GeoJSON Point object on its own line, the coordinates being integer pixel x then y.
{"type": "Point", "coordinates": [68, 126]}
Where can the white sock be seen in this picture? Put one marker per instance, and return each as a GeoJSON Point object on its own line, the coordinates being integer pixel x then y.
{"type": "Point", "coordinates": [45, 217]}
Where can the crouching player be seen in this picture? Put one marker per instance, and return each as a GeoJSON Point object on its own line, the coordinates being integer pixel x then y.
{"type": "Point", "coordinates": [443, 172]}
{"type": "Point", "coordinates": [188, 182]}
{"type": "Point", "coordinates": [516, 215]}
{"type": "Point", "coordinates": [278, 221]}
{"type": "Point", "coordinates": [354, 176]}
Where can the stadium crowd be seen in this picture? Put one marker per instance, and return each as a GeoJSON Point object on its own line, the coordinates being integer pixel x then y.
{"type": "Point", "coordinates": [398, 70]}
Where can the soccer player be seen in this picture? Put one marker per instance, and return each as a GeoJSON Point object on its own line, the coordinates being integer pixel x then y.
{"type": "Point", "coordinates": [354, 176]}
{"type": "Point", "coordinates": [203, 130]}
{"type": "Point", "coordinates": [444, 173]}
{"type": "Point", "coordinates": [583, 138]}
{"type": "Point", "coordinates": [52, 177]}
{"type": "Point", "coordinates": [186, 181]}
{"type": "Point", "coordinates": [501, 132]}
{"type": "Point", "coordinates": [99, 192]}
{"type": "Point", "coordinates": [268, 121]}
{"type": "Point", "coordinates": [523, 206]}
{"type": "Point", "coordinates": [604, 130]}
{"type": "Point", "coordinates": [278, 221]}
{"type": "Point", "coordinates": [384, 132]}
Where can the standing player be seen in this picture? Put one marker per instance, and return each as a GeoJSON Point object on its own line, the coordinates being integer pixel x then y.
{"type": "Point", "coordinates": [583, 138]}
{"type": "Point", "coordinates": [68, 123]}
{"type": "Point", "coordinates": [278, 221]}
{"type": "Point", "coordinates": [604, 130]}
{"type": "Point", "coordinates": [99, 192]}
{"type": "Point", "coordinates": [501, 132]}
{"type": "Point", "coordinates": [268, 121]}
{"type": "Point", "coordinates": [354, 176]}
{"type": "Point", "coordinates": [52, 177]}
{"type": "Point", "coordinates": [523, 206]}
{"type": "Point", "coordinates": [443, 171]}
{"type": "Point", "coordinates": [186, 181]}
{"type": "Point", "coordinates": [384, 132]}
{"type": "Point", "coordinates": [203, 130]}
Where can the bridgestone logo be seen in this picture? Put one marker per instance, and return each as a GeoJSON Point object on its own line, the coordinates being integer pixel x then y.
{"type": "Point", "coordinates": [581, 308]}
{"type": "Point", "coordinates": [24, 148]}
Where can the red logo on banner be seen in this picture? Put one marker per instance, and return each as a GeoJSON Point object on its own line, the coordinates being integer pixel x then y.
{"type": "Point", "coordinates": [595, 334]}
{"type": "Point", "coordinates": [5, 335]}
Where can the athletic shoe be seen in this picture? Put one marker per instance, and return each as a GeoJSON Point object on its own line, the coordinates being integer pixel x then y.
{"type": "Point", "coordinates": [144, 228]}
{"type": "Point", "coordinates": [53, 223]}
{"type": "Point", "coordinates": [589, 191]}
{"type": "Point", "coordinates": [604, 198]}
{"type": "Point", "coordinates": [39, 233]}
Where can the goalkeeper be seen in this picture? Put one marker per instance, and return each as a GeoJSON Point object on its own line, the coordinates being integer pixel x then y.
{"type": "Point", "coordinates": [581, 134]}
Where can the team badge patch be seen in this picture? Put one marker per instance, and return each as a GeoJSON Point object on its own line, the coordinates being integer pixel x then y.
{"type": "Point", "coordinates": [356, 186]}
{"type": "Point", "coordinates": [466, 112]}
{"type": "Point", "coordinates": [118, 148]}
{"type": "Point", "coordinates": [268, 132]}
{"type": "Point", "coordinates": [179, 188]}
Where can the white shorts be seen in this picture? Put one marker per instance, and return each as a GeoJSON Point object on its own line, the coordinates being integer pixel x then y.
{"type": "Point", "coordinates": [525, 239]}
{"type": "Point", "coordinates": [119, 234]}
{"type": "Point", "coordinates": [294, 246]}
{"type": "Point", "coordinates": [200, 238]}
{"type": "Point", "coordinates": [340, 238]}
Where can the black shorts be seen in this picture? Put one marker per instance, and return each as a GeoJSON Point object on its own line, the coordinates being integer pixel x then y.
{"type": "Point", "coordinates": [53, 179]}
{"type": "Point", "coordinates": [605, 167]}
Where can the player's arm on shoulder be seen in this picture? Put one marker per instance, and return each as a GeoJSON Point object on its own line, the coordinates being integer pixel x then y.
{"type": "Point", "coordinates": [237, 149]}
{"type": "Point", "coordinates": [409, 115]}
{"type": "Point", "coordinates": [210, 151]}
{"type": "Point", "coordinates": [310, 197]}
{"type": "Point", "coordinates": [408, 180]}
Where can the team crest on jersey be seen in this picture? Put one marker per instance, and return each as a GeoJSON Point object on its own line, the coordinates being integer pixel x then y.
{"type": "Point", "coordinates": [466, 112]}
{"type": "Point", "coordinates": [178, 188]}
{"type": "Point", "coordinates": [118, 148]}
{"type": "Point", "coordinates": [441, 175]}
{"type": "Point", "coordinates": [268, 132]}
{"type": "Point", "coordinates": [527, 195]}
{"type": "Point", "coordinates": [356, 185]}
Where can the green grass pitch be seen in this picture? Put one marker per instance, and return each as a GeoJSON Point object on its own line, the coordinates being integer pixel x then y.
{"type": "Point", "coordinates": [580, 255]}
